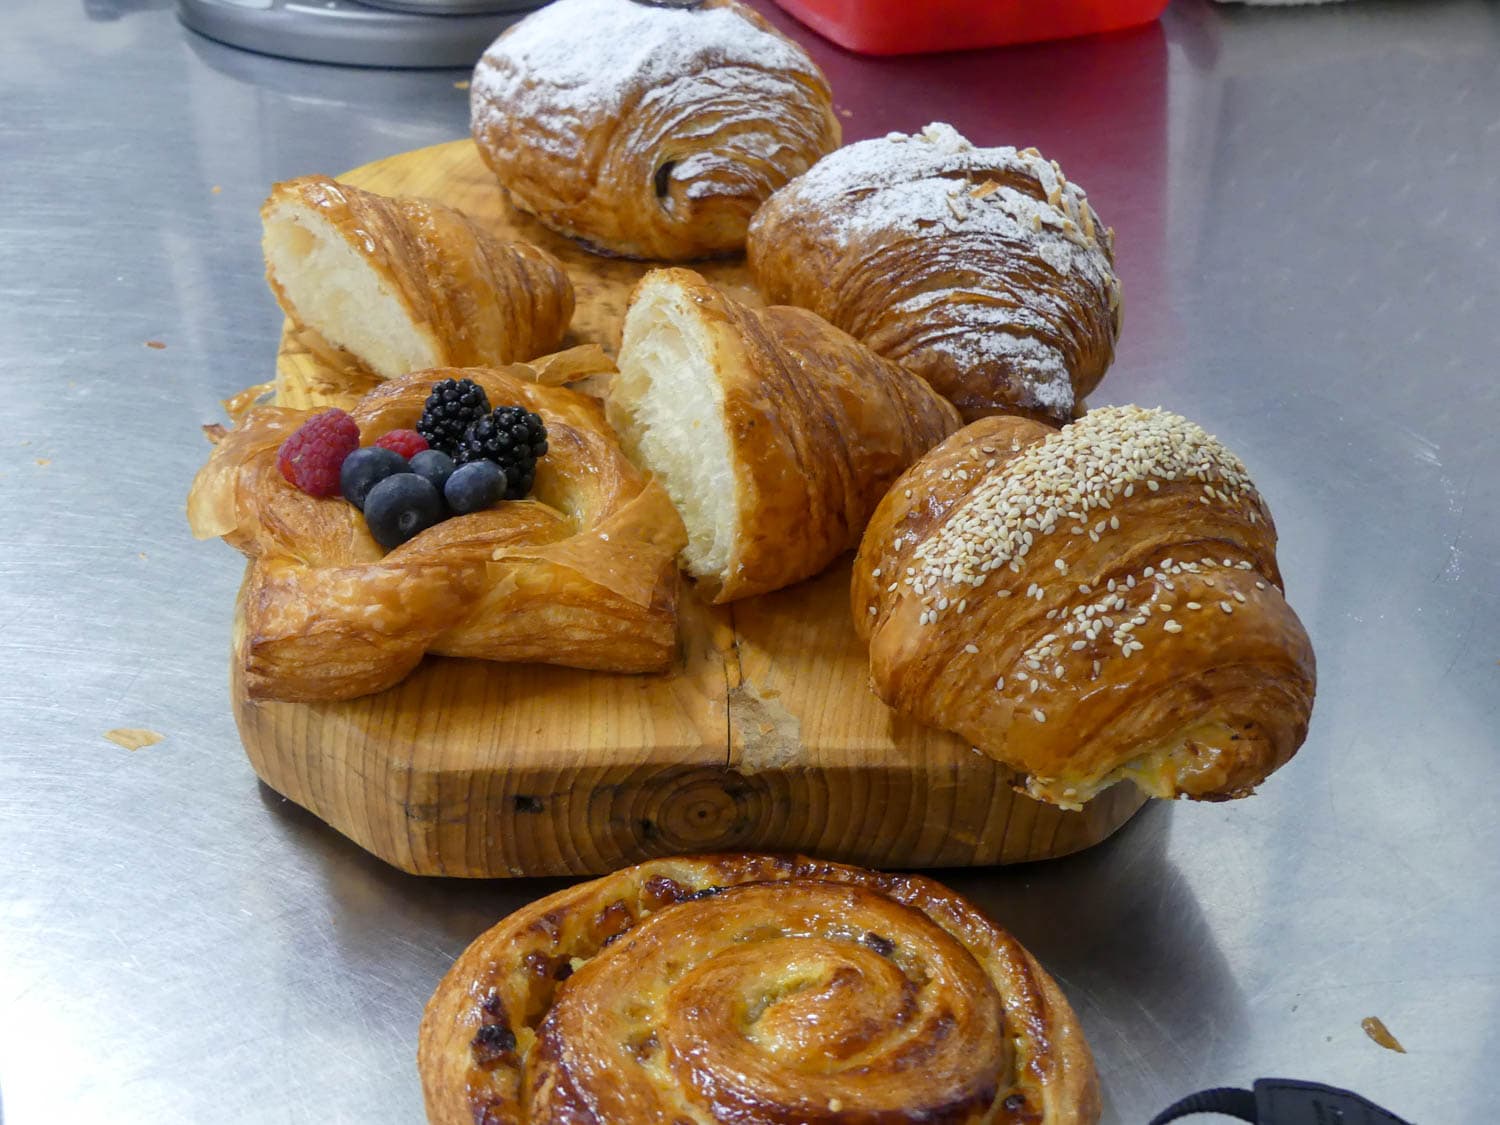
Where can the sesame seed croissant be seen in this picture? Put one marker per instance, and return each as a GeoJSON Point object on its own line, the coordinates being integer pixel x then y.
{"type": "Point", "coordinates": [1089, 605]}
{"type": "Point", "coordinates": [981, 269]}
{"type": "Point", "coordinates": [649, 129]}
{"type": "Point", "coordinates": [752, 988]}
{"type": "Point", "coordinates": [581, 574]}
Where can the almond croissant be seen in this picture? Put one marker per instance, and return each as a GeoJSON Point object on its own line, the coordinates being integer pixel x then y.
{"type": "Point", "coordinates": [981, 269]}
{"type": "Point", "coordinates": [1089, 605]}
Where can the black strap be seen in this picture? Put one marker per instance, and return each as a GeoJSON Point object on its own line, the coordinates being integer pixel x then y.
{"type": "Point", "coordinates": [1228, 1100]}
{"type": "Point", "coordinates": [1283, 1101]}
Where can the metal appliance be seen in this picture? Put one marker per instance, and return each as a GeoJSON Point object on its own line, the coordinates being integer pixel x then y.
{"type": "Point", "coordinates": [393, 33]}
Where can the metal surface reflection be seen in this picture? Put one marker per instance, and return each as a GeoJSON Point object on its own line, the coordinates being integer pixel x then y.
{"type": "Point", "coordinates": [1307, 231]}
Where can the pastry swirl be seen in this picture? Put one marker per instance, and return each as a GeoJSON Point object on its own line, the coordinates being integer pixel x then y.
{"type": "Point", "coordinates": [984, 270]}
{"type": "Point", "coordinates": [752, 988]}
{"type": "Point", "coordinates": [581, 574]}
{"type": "Point", "coordinates": [1089, 605]}
{"type": "Point", "coordinates": [649, 130]}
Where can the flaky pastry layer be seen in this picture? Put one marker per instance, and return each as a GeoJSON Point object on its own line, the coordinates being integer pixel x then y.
{"type": "Point", "coordinates": [752, 988]}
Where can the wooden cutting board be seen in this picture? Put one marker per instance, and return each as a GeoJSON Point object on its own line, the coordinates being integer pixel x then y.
{"type": "Point", "coordinates": [765, 736]}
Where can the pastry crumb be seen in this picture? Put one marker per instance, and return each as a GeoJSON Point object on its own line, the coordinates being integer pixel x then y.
{"type": "Point", "coordinates": [43, 462]}
{"type": "Point", "coordinates": [1381, 1034]}
{"type": "Point", "coordinates": [157, 344]}
{"type": "Point", "coordinates": [216, 189]}
{"type": "Point", "coordinates": [133, 738]}
{"type": "Point", "coordinates": [462, 84]}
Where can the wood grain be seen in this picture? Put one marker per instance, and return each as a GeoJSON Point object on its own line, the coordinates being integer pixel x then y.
{"type": "Point", "coordinates": [765, 736]}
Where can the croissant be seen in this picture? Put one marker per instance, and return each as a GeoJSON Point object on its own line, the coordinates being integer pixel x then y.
{"type": "Point", "coordinates": [982, 269]}
{"type": "Point", "coordinates": [751, 988]}
{"type": "Point", "coordinates": [401, 285]}
{"type": "Point", "coordinates": [774, 433]}
{"type": "Point", "coordinates": [1089, 605]}
{"type": "Point", "coordinates": [581, 575]}
{"type": "Point", "coordinates": [649, 130]}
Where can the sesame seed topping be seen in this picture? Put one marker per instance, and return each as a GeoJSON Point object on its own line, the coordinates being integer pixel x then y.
{"type": "Point", "coordinates": [971, 649]}
{"type": "Point", "coordinates": [1239, 597]}
{"type": "Point", "coordinates": [1172, 626]}
{"type": "Point", "coordinates": [1080, 469]}
{"type": "Point", "coordinates": [1195, 605]}
{"type": "Point", "coordinates": [872, 611]}
{"type": "Point", "coordinates": [1259, 585]}
{"type": "Point", "coordinates": [1226, 607]}
{"type": "Point", "coordinates": [1039, 715]}
{"type": "Point", "coordinates": [875, 573]}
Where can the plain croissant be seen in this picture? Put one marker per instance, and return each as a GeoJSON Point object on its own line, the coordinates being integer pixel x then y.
{"type": "Point", "coordinates": [775, 433]}
{"type": "Point", "coordinates": [404, 284]}
{"type": "Point", "coordinates": [1089, 605]}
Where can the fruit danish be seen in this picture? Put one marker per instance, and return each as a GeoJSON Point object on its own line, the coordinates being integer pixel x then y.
{"type": "Point", "coordinates": [982, 269]}
{"type": "Point", "coordinates": [397, 285]}
{"type": "Point", "coordinates": [750, 988]}
{"type": "Point", "coordinates": [649, 129]}
{"type": "Point", "coordinates": [775, 433]}
{"type": "Point", "coordinates": [1088, 605]}
{"type": "Point", "coordinates": [581, 574]}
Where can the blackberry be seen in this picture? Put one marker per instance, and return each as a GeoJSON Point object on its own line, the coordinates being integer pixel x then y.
{"type": "Point", "coordinates": [453, 406]}
{"type": "Point", "coordinates": [512, 437]}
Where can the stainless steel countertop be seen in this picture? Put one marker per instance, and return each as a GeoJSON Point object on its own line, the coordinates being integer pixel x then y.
{"type": "Point", "coordinates": [1306, 203]}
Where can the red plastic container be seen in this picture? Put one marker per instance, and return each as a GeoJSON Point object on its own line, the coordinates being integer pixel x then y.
{"type": "Point", "coordinates": [909, 27]}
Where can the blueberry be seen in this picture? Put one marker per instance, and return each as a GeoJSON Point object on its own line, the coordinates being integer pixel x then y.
{"type": "Point", "coordinates": [474, 486]}
{"type": "Point", "coordinates": [400, 506]}
{"type": "Point", "coordinates": [364, 469]}
{"type": "Point", "coordinates": [433, 464]}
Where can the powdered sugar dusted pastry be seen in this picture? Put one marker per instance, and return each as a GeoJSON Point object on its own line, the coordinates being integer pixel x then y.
{"type": "Point", "coordinates": [982, 269]}
{"type": "Point", "coordinates": [649, 130]}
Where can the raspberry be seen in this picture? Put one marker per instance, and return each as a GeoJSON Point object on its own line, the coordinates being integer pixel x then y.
{"type": "Point", "coordinates": [312, 457]}
{"type": "Point", "coordinates": [408, 443]}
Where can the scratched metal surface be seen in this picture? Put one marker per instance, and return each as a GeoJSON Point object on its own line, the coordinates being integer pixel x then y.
{"type": "Point", "coordinates": [1307, 212]}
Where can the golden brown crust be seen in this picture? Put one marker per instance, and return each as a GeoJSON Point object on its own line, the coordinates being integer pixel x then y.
{"type": "Point", "coordinates": [649, 131]}
{"type": "Point", "coordinates": [982, 270]}
{"type": "Point", "coordinates": [752, 988]}
{"type": "Point", "coordinates": [1090, 605]}
{"type": "Point", "coordinates": [819, 427]}
{"type": "Point", "coordinates": [582, 574]}
{"type": "Point", "coordinates": [480, 301]}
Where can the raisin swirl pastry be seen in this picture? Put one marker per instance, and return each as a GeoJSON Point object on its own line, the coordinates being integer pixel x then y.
{"type": "Point", "coordinates": [982, 269]}
{"type": "Point", "coordinates": [649, 130]}
{"type": "Point", "coordinates": [581, 574]}
{"type": "Point", "coordinates": [745, 988]}
{"type": "Point", "coordinates": [1089, 605]}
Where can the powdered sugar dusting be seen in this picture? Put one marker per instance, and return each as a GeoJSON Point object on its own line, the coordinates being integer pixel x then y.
{"type": "Point", "coordinates": [937, 185]}
{"type": "Point", "coordinates": [575, 60]}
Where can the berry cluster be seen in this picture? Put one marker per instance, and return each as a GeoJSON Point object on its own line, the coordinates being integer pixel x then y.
{"type": "Point", "coordinates": [457, 419]}
{"type": "Point", "coordinates": [462, 457]}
